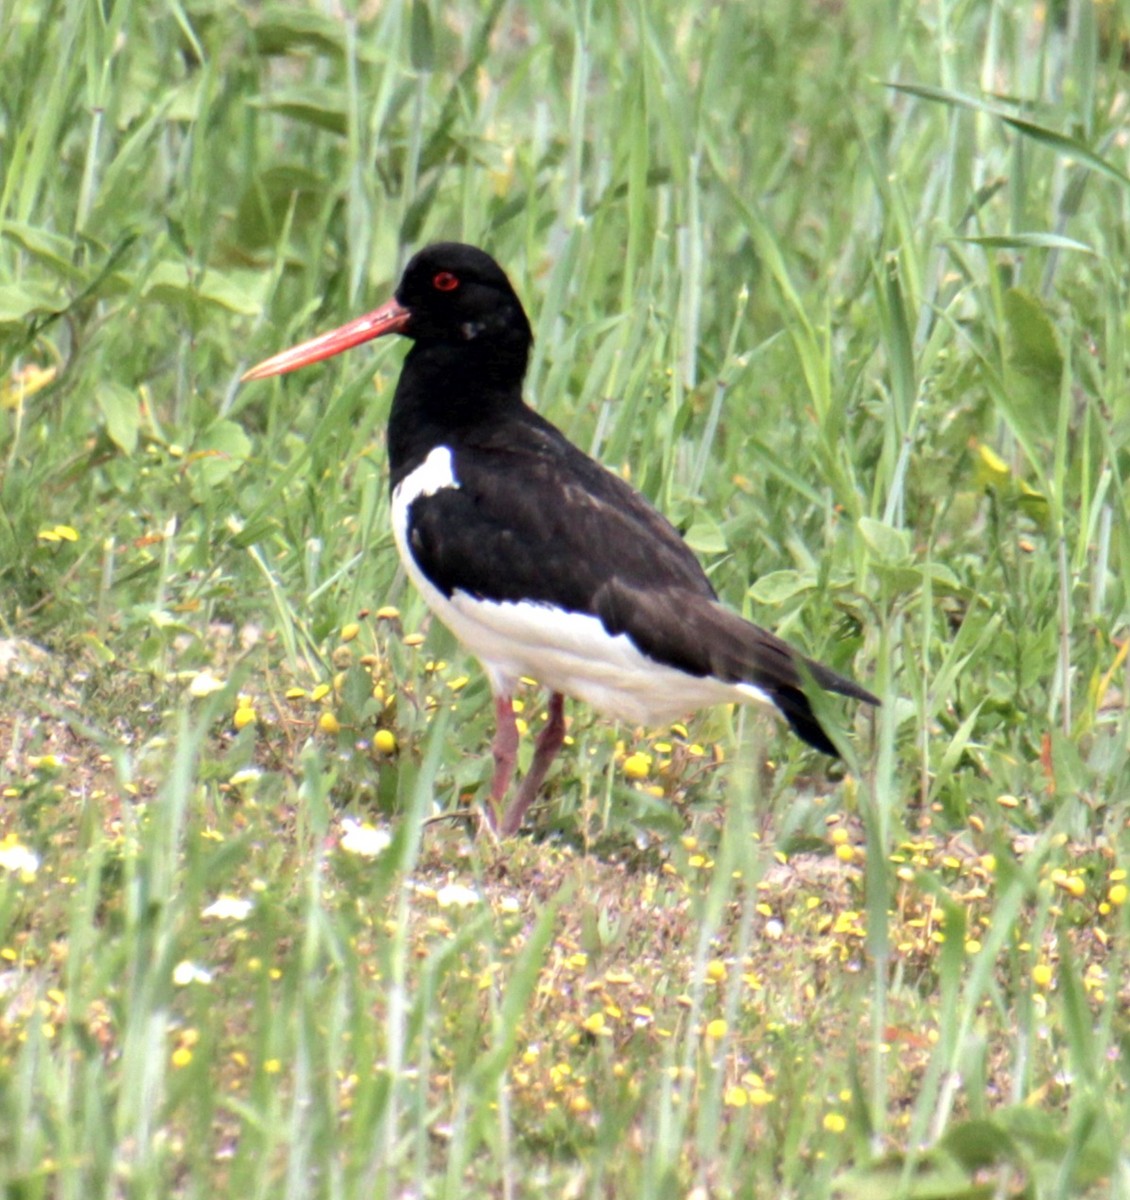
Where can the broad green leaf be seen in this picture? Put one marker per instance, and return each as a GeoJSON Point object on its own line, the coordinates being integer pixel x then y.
{"type": "Point", "coordinates": [705, 536]}
{"type": "Point", "coordinates": [50, 249]}
{"type": "Point", "coordinates": [935, 1176]}
{"type": "Point", "coordinates": [979, 1143]}
{"type": "Point", "coordinates": [219, 452]}
{"type": "Point", "coordinates": [1033, 338]}
{"type": "Point", "coordinates": [779, 586]}
{"type": "Point", "coordinates": [890, 546]}
{"type": "Point", "coordinates": [320, 107]}
{"type": "Point", "coordinates": [18, 301]}
{"type": "Point", "coordinates": [291, 27]}
{"type": "Point", "coordinates": [122, 414]}
{"type": "Point", "coordinates": [175, 283]}
{"type": "Point", "coordinates": [288, 192]}
{"type": "Point", "coordinates": [1036, 366]}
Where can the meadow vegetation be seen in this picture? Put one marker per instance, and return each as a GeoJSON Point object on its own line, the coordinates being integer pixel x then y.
{"type": "Point", "coordinates": [841, 286]}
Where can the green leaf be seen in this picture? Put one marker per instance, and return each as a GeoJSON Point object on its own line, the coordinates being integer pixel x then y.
{"type": "Point", "coordinates": [122, 413]}
{"type": "Point", "coordinates": [1033, 338]}
{"type": "Point", "coordinates": [417, 211]}
{"type": "Point", "coordinates": [320, 107]}
{"type": "Point", "coordinates": [50, 249]}
{"type": "Point", "coordinates": [1069, 147]}
{"type": "Point", "coordinates": [779, 586]}
{"type": "Point", "coordinates": [175, 283]}
{"type": "Point", "coordinates": [890, 546]}
{"type": "Point", "coordinates": [935, 1176]}
{"type": "Point", "coordinates": [979, 1143]}
{"type": "Point", "coordinates": [1028, 241]}
{"type": "Point", "coordinates": [290, 27]}
{"type": "Point", "coordinates": [421, 39]}
{"type": "Point", "coordinates": [705, 536]}
{"type": "Point", "coordinates": [18, 301]}
{"type": "Point", "coordinates": [219, 452]}
{"type": "Point", "coordinates": [1061, 143]}
{"type": "Point", "coordinates": [287, 192]}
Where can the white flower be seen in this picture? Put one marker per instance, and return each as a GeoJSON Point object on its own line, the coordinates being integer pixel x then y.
{"type": "Point", "coordinates": [228, 908]}
{"type": "Point", "coordinates": [204, 684]}
{"type": "Point", "coordinates": [186, 972]}
{"type": "Point", "coordinates": [457, 895]}
{"type": "Point", "coordinates": [18, 859]}
{"type": "Point", "coordinates": [364, 839]}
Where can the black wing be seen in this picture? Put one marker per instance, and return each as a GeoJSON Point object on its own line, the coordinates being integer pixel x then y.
{"type": "Point", "coordinates": [534, 518]}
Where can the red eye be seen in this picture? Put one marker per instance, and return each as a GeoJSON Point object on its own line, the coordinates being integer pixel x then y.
{"type": "Point", "coordinates": [445, 281]}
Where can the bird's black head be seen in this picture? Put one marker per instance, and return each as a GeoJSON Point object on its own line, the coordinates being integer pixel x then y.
{"type": "Point", "coordinates": [458, 306]}
{"type": "Point", "coordinates": [457, 294]}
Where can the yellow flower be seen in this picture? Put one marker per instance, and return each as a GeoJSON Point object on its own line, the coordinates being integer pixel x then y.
{"type": "Point", "coordinates": [636, 766]}
{"type": "Point", "coordinates": [25, 383]}
{"type": "Point", "coordinates": [1071, 884]}
{"type": "Point", "coordinates": [244, 713]}
{"type": "Point", "coordinates": [60, 533]}
{"type": "Point", "coordinates": [835, 1122]}
{"type": "Point", "coordinates": [328, 723]}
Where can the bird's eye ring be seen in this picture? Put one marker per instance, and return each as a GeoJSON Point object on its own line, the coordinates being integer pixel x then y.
{"type": "Point", "coordinates": [445, 281]}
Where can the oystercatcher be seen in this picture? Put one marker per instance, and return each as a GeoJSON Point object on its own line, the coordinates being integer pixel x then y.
{"type": "Point", "coordinates": [540, 561]}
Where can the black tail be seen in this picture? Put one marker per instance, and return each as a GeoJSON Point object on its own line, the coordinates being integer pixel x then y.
{"type": "Point", "coordinates": [696, 634]}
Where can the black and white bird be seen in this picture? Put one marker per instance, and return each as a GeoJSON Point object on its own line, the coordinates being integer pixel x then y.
{"type": "Point", "coordinates": [543, 563]}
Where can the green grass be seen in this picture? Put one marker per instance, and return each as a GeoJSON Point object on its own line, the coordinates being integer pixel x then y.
{"type": "Point", "coordinates": [841, 287]}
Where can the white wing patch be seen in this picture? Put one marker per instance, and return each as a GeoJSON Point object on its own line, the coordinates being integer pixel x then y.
{"type": "Point", "coordinates": [435, 473]}
{"type": "Point", "coordinates": [569, 652]}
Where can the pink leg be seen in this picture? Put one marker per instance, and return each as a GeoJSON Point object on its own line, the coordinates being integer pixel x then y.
{"type": "Point", "coordinates": [505, 751]}
{"type": "Point", "coordinates": [548, 743]}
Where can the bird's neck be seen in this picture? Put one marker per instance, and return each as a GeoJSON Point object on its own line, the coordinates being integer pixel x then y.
{"type": "Point", "coordinates": [446, 389]}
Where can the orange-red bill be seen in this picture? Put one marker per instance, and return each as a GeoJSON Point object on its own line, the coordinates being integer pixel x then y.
{"type": "Point", "coordinates": [389, 318]}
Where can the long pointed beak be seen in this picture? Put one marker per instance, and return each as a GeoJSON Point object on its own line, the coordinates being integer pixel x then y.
{"type": "Point", "coordinates": [389, 318]}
